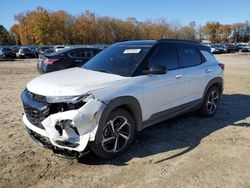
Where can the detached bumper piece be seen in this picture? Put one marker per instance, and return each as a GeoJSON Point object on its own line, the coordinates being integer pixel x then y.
{"type": "Point", "coordinates": [60, 127]}
{"type": "Point", "coordinates": [40, 140]}
{"type": "Point", "coordinates": [45, 142]}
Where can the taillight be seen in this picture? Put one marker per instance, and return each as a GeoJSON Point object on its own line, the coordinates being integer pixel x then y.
{"type": "Point", "coordinates": [222, 66]}
{"type": "Point", "coordinates": [49, 61]}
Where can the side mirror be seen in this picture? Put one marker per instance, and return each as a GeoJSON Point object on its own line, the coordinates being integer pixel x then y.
{"type": "Point", "coordinates": [156, 69]}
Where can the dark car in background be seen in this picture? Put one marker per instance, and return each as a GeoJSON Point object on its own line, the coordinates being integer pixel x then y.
{"type": "Point", "coordinates": [7, 53]}
{"type": "Point", "coordinates": [243, 48]}
{"type": "Point", "coordinates": [217, 49]}
{"type": "Point", "coordinates": [46, 52]}
{"type": "Point", "coordinates": [25, 53]}
{"type": "Point", "coordinates": [44, 49]}
{"type": "Point", "coordinates": [35, 51]}
{"type": "Point", "coordinates": [230, 48]}
{"type": "Point", "coordinates": [15, 49]}
{"type": "Point", "coordinates": [66, 58]}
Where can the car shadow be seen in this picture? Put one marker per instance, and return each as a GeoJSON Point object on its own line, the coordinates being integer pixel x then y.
{"type": "Point", "coordinates": [184, 132]}
{"type": "Point", "coordinates": [8, 59]}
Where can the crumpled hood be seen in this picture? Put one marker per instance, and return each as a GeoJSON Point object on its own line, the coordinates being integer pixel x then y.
{"type": "Point", "coordinates": [74, 81]}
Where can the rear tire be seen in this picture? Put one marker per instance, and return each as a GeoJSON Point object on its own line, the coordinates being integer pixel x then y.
{"type": "Point", "coordinates": [211, 102]}
{"type": "Point", "coordinates": [115, 136]}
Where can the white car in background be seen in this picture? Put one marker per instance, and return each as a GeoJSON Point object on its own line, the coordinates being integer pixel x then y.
{"type": "Point", "coordinates": [58, 48]}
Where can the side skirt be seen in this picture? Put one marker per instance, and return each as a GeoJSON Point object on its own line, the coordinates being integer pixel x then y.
{"type": "Point", "coordinates": [173, 112]}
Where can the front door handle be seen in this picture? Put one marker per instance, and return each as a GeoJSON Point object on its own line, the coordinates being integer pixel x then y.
{"type": "Point", "coordinates": [78, 60]}
{"type": "Point", "coordinates": [178, 76]}
{"type": "Point", "coordinates": [208, 70]}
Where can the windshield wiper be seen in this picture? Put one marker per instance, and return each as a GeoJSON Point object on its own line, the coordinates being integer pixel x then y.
{"type": "Point", "coordinates": [100, 70]}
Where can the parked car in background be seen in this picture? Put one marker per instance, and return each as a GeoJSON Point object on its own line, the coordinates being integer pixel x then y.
{"type": "Point", "coordinates": [66, 58]}
{"type": "Point", "coordinates": [7, 53]}
{"type": "Point", "coordinates": [243, 47]}
{"type": "Point", "coordinates": [15, 49]}
{"type": "Point", "coordinates": [42, 49]}
{"type": "Point", "coordinates": [230, 48]}
{"type": "Point", "coordinates": [46, 52]}
{"type": "Point", "coordinates": [58, 48]}
{"type": "Point", "coordinates": [35, 51]}
{"type": "Point", "coordinates": [25, 52]}
{"type": "Point", "coordinates": [215, 49]}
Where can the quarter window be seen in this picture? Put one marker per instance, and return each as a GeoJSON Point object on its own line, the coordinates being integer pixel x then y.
{"type": "Point", "coordinates": [190, 57]}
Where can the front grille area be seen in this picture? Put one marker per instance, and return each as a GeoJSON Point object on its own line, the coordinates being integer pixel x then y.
{"type": "Point", "coordinates": [37, 97]}
{"type": "Point", "coordinates": [37, 109]}
{"type": "Point", "coordinates": [34, 116]}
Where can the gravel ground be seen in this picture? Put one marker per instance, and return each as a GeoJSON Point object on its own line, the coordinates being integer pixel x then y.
{"type": "Point", "coordinates": [188, 151]}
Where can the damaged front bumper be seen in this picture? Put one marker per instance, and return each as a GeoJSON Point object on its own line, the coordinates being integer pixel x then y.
{"type": "Point", "coordinates": [66, 131]}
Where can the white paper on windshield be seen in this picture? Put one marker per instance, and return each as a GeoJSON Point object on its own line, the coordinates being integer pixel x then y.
{"type": "Point", "coordinates": [132, 51]}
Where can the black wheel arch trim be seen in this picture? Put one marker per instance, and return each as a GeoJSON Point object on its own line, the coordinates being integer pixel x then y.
{"type": "Point", "coordinates": [216, 80]}
{"type": "Point", "coordinates": [130, 104]}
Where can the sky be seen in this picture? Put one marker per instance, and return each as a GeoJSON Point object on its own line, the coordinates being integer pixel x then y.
{"type": "Point", "coordinates": [180, 11]}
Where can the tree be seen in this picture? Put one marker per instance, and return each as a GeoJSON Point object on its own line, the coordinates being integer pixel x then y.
{"type": "Point", "coordinates": [241, 32]}
{"type": "Point", "coordinates": [5, 37]}
{"type": "Point", "coordinates": [188, 32]}
{"type": "Point", "coordinates": [85, 27]}
{"type": "Point", "coordinates": [212, 31]}
{"type": "Point", "coordinates": [41, 26]}
{"type": "Point", "coordinates": [225, 31]}
{"type": "Point", "coordinates": [14, 31]}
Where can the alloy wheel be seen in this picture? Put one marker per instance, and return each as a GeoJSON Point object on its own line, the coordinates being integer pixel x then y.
{"type": "Point", "coordinates": [212, 102]}
{"type": "Point", "coordinates": [116, 134]}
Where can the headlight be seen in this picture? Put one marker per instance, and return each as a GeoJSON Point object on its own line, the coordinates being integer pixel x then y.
{"type": "Point", "coordinates": [69, 99]}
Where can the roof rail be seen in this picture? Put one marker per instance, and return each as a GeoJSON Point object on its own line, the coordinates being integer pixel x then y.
{"type": "Point", "coordinates": [177, 40]}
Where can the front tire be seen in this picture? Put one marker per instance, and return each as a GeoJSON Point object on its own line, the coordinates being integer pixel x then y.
{"type": "Point", "coordinates": [211, 102]}
{"type": "Point", "coordinates": [115, 136]}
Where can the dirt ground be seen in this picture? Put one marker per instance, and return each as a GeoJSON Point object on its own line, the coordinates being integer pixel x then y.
{"type": "Point", "coordinates": [188, 151]}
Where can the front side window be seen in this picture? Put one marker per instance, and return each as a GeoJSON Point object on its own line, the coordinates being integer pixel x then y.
{"type": "Point", "coordinates": [118, 59]}
{"type": "Point", "coordinates": [190, 57]}
{"type": "Point", "coordinates": [166, 56]}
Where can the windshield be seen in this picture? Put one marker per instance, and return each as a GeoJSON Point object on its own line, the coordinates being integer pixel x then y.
{"type": "Point", "coordinates": [118, 59]}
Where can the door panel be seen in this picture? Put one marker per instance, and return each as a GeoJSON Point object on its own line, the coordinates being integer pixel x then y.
{"type": "Point", "coordinates": [194, 73]}
{"type": "Point", "coordinates": [194, 83]}
{"type": "Point", "coordinates": [162, 92]}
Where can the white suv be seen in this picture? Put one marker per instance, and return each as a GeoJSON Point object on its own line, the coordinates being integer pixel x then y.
{"type": "Point", "coordinates": [125, 88]}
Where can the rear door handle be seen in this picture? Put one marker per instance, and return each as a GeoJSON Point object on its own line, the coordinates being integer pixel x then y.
{"type": "Point", "coordinates": [208, 70]}
{"type": "Point", "coordinates": [78, 60]}
{"type": "Point", "coordinates": [178, 76]}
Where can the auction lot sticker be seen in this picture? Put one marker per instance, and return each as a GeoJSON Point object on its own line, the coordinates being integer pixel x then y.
{"type": "Point", "coordinates": [132, 51]}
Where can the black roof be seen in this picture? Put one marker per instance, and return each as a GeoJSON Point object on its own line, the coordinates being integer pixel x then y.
{"type": "Point", "coordinates": [138, 42]}
{"type": "Point", "coordinates": [178, 41]}
{"type": "Point", "coordinates": [152, 42]}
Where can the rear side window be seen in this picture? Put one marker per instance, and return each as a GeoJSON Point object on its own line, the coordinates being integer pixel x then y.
{"type": "Point", "coordinates": [166, 56]}
{"type": "Point", "coordinates": [190, 57]}
{"type": "Point", "coordinates": [82, 54]}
